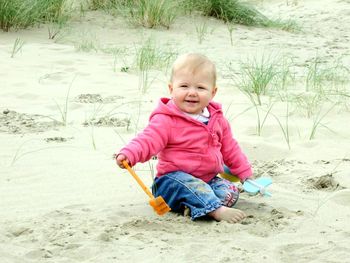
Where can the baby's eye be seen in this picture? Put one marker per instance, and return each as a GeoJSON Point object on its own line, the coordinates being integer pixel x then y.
{"type": "Point", "coordinates": [183, 86]}
{"type": "Point", "coordinates": [201, 88]}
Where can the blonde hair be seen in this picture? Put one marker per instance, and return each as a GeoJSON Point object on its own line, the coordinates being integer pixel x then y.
{"type": "Point", "coordinates": [193, 62]}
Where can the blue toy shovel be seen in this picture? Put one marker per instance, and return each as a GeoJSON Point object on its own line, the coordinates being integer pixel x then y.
{"type": "Point", "coordinates": [250, 186]}
{"type": "Point", "coordinates": [257, 186]}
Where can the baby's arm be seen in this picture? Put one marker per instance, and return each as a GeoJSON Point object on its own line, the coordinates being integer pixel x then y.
{"type": "Point", "coordinates": [147, 143]}
{"type": "Point", "coordinates": [233, 156]}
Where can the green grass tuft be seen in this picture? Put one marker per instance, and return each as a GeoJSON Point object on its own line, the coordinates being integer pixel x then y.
{"type": "Point", "coordinates": [18, 14]}
{"type": "Point", "coordinates": [257, 75]}
{"type": "Point", "coordinates": [152, 13]}
{"type": "Point", "coordinates": [230, 11]}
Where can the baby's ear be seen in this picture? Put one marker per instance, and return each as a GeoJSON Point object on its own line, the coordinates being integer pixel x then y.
{"type": "Point", "coordinates": [170, 86]}
{"type": "Point", "coordinates": [215, 89]}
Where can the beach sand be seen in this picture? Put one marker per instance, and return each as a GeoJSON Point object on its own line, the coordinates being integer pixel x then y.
{"type": "Point", "coordinates": [63, 199]}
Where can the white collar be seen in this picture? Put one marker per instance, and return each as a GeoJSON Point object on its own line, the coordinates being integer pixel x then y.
{"type": "Point", "coordinates": [202, 117]}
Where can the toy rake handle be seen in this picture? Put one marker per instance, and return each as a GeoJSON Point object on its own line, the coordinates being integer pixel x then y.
{"type": "Point", "coordinates": [131, 171]}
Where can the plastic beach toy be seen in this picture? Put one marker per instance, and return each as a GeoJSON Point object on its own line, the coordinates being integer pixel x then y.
{"type": "Point", "coordinates": [250, 186]}
{"type": "Point", "coordinates": [257, 186]}
{"type": "Point", "coordinates": [158, 203]}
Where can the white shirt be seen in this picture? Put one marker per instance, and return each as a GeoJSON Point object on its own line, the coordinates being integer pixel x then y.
{"type": "Point", "coordinates": [202, 117]}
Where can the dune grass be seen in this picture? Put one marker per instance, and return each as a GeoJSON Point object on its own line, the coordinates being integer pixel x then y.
{"type": "Point", "coordinates": [288, 25]}
{"type": "Point", "coordinates": [316, 93]}
{"type": "Point", "coordinates": [201, 31]}
{"type": "Point", "coordinates": [153, 13]}
{"type": "Point", "coordinates": [87, 42]}
{"type": "Point", "coordinates": [230, 27]}
{"type": "Point", "coordinates": [317, 121]}
{"type": "Point", "coordinates": [119, 55]}
{"type": "Point", "coordinates": [325, 78]}
{"type": "Point", "coordinates": [29, 147]}
{"type": "Point", "coordinates": [151, 56]}
{"type": "Point", "coordinates": [17, 46]}
{"type": "Point", "coordinates": [162, 13]}
{"type": "Point", "coordinates": [307, 103]}
{"type": "Point", "coordinates": [18, 14]}
{"type": "Point", "coordinates": [20, 152]}
{"type": "Point", "coordinates": [58, 22]}
{"type": "Point", "coordinates": [102, 4]}
{"type": "Point", "coordinates": [238, 12]}
{"type": "Point", "coordinates": [256, 76]}
{"type": "Point", "coordinates": [230, 11]}
{"type": "Point", "coordinates": [146, 13]}
{"type": "Point", "coordinates": [64, 108]}
{"type": "Point", "coordinates": [284, 127]}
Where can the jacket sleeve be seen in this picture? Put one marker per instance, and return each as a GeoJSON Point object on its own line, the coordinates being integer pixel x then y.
{"type": "Point", "coordinates": [149, 142]}
{"type": "Point", "coordinates": [233, 156]}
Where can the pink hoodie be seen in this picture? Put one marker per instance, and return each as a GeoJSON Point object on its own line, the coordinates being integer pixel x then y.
{"type": "Point", "coordinates": [184, 144]}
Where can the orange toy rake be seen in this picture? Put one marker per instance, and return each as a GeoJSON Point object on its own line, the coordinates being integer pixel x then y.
{"type": "Point", "coordinates": [158, 203]}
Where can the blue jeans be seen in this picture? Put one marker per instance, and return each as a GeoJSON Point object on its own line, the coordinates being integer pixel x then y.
{"type": "Point", "coordinates": [182, 190]}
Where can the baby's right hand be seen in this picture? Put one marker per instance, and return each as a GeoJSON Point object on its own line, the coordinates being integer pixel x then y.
{"type": "Point", "coordinates": [120, 158]}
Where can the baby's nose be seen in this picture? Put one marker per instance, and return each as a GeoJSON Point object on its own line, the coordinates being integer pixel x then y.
{"type": "Point", "coordinates": [192, 91]}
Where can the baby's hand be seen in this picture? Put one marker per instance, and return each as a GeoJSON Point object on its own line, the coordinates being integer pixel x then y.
{"type": "Point", "coordinates": [120, 158]}
{"type": "Point", "coordinates": [248, 177]}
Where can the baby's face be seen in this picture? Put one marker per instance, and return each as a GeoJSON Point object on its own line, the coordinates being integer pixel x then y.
{"type": "Point", "coordinates": [192, 92]}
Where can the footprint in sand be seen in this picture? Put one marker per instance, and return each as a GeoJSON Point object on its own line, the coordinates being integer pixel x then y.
{"type": "Point", "coordinates": [20, 231]}
{"type": "Point", "coordinates": [18, 123]}
{"type": "Point", "coordinates": [271, 168]}
{"type": "Point", "coordinates": [58, 139]}
{"type": "Point", "coordinates": [108, 122]}
{"type": "Point", "coordinates": [96, 98]}
{"type": "Point", "coordinates": [324, 182]}
{"type": "Point", "coordinates": [55, 76]}
{"type": "Point", "coordinates": [39, 253]}
{"type": "Point", "coordinates": [266, 220]}
{"type": "Point", "coordinates": [89, 98]}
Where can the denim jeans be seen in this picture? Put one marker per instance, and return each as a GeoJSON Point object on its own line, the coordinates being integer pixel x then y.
{"type": "Point", "coordinates": [182, 190]}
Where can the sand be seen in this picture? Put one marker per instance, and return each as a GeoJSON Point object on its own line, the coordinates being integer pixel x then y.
{"type": "Point", "coordinates": [62, 198]}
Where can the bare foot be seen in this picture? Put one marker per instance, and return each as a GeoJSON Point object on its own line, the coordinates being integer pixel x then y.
{"type": "Point", "coordinates": [231, 215]}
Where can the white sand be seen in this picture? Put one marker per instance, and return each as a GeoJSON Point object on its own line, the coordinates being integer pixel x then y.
{"type": "Point", "coordinates": [62, 200]}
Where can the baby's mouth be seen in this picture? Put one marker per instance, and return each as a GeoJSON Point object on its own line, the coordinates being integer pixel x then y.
{"type": "Point", "coordinates": [191, 101]}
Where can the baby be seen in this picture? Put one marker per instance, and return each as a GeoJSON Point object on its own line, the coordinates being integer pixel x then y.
{"type": "Point", "coordinates": [192, 140]}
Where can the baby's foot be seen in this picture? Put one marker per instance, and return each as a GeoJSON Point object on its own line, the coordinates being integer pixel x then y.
{"type": "Point", "coordinates": [231, 215]}
{"type": "Point", "coordinates": [187, 211]}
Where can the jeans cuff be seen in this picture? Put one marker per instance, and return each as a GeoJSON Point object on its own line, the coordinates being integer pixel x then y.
{"type": "Point", "coordinates": [199, 212]}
